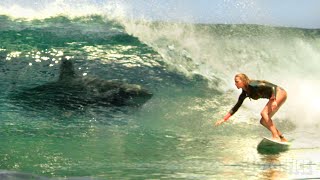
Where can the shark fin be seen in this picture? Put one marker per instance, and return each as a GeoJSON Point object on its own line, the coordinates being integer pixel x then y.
{"type": "Point", "coordinates": [66, 70]}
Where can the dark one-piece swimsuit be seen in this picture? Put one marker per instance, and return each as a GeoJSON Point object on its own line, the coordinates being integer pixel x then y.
{"type": "Point", "coordinates": [256, 89]}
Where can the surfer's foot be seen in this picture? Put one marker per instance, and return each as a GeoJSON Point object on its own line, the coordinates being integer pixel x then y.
{"type": "Point", "coordinates": [283, 139]}
{"type": "Point", "coordinates": [277, 138]}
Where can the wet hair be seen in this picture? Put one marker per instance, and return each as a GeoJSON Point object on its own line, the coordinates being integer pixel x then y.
{"type": "Point", "coordinates": [244, 78]}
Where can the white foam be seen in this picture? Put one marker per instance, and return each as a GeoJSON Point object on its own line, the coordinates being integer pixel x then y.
{"type": "Point", "coordinates": [31, 10]}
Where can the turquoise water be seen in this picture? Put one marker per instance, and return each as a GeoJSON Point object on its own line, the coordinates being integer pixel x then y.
{"type": "Point", "coordinates": [189, 69]}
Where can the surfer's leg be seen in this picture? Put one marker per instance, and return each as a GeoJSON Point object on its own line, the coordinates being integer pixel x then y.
{"type": "Point", "coordinates": [281, 98]}
{"type": "Point", "coordinates": [262, 122]}
{"type": "Point", "coordinates": [267, 121]}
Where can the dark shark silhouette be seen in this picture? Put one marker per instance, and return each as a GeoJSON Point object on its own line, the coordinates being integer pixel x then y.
{"type": "Point", "coordinates": [71, 90]}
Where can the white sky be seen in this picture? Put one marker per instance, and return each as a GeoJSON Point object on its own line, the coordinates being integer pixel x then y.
{"type": "Point", "coordinates": [296, 13]}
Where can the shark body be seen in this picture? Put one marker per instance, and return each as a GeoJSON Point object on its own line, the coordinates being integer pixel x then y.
{"type": "Point", "coordinates": [73, 90]}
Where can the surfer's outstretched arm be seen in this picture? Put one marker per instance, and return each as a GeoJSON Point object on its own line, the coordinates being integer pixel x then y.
{"type": "Point", "coordinates": [235, 108]}
{"type": "Point", "coordinates": [226, 117]}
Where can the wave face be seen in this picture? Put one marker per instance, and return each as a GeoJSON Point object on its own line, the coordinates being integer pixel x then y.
{"type": "Point", "coordinates": [189, 68]}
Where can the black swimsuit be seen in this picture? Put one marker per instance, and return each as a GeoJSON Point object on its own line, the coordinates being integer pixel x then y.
{"type": "Point", "coordinates": [256, 89]}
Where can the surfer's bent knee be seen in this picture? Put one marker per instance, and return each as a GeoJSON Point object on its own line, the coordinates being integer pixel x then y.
{"type": "Point", "coordinates": [262, 121]}
{"type": "Point", "coordinates": [264, 115]}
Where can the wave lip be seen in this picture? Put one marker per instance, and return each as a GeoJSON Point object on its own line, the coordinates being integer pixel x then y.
{"type": "Point", "coordinates": [31, 10]}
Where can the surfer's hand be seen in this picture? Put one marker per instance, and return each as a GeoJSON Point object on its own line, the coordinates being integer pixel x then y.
{"type": "Point", "coordinates": [219, 122]}
{"type": "Point", "coordinates": [274, 105]}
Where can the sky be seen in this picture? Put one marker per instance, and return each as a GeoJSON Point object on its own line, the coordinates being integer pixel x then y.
{"type": "Point", "coordinates": [296, 13]}
{"type": "Point", "coordinates": [290, 13]}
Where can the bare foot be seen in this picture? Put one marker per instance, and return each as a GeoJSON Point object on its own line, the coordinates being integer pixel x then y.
{"type": "Point", "coordinates": [278, 139]}
{"type": "Point", "coordinates": [283, 139]}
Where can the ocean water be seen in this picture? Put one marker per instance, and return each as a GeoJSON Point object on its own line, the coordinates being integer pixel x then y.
{"type": "Point", "coordinates": [189, 68]}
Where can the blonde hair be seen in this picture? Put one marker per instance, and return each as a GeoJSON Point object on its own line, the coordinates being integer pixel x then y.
{"type": "Point", "coordinates": [244, 78]}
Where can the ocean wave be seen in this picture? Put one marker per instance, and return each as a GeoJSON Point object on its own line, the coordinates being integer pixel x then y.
{"type": "Point", "coordinates": [169, 52]}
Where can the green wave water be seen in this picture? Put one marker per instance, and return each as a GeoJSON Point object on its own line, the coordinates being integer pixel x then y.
{"type": "Point", "coordinates": [188, 67]}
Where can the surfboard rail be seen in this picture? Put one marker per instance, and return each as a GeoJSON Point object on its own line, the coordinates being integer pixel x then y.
{"type": "Point", "coordinates": [270, 146]}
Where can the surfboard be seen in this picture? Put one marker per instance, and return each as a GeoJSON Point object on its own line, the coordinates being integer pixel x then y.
{"type": "Point", "coordinates": [269, 146]}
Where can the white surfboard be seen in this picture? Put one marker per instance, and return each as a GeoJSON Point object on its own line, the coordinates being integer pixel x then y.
{"type": "Point", "coordinates": [268, 145]}
{"type": "Point", "coordinates": [270, 142]}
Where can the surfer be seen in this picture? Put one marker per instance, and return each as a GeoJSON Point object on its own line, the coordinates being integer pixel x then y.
{"type": "Point", "coordinates": [257, 89]}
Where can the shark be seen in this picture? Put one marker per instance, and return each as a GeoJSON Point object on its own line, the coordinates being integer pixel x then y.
{"type": "Point", "coordinates": [73, 90]}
